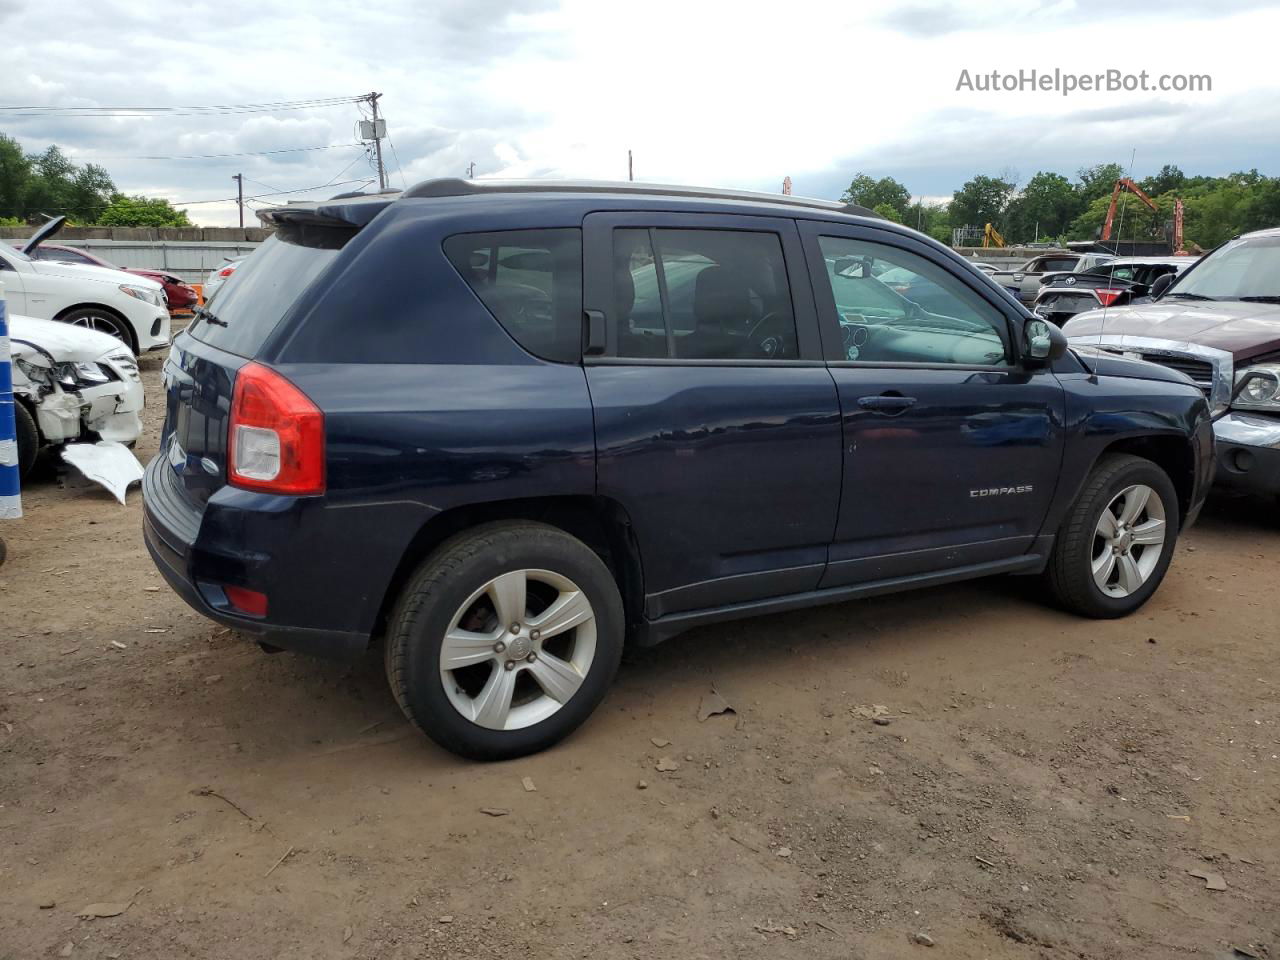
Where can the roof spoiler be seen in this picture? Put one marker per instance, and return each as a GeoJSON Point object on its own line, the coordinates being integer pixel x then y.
{"type": "Point", "coordinates": [349, 211]}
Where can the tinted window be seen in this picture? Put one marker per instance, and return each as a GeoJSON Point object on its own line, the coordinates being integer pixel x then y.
{"type": "Point", "coordinates": [247, 307]}
{"type": "Point", "coordinates": [63, 256]}
{"type": "Point", "coordinates": [913, 312]}
{"type": "Point", "coordinates": [702, 295]}
{"type": "Point", "coordinates": [1050, 264]}
{"type": "Point", "coordinates": [531, 280]}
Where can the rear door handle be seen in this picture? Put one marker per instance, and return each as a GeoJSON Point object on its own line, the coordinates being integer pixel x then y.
{"type": "Point", "coordinates": [886, 403]}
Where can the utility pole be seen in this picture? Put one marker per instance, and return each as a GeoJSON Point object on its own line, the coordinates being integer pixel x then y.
{"type": "Point", "coordinates": [377, 141]}
{"type": "Point", "coordinates": [239, 179]}
{"type": "Point", "coordinates": [630, 170]}
{"type": "Point", "coordinates": [471, 170]}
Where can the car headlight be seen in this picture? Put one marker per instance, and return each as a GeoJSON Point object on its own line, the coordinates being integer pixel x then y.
{"type": "Point", "coordinates": [34, 372]}
{"type": "Point", "coordinates": [145, 294]}
{"type": "Point", "coordinates": [73, 376]}
{"type": "Point", "coordinates": [1263, 391]}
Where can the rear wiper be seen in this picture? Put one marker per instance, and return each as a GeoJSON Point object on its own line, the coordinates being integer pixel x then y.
{"type": "Point", "coordinates": [208, 316]}
{"type": "Point", "coordinates": [1264, 298]}
{"type": "Point", "coordinates": [1190, 296]}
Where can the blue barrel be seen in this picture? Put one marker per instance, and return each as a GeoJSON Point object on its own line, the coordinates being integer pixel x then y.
{"type": "Point", "coordinates": [10, 501]}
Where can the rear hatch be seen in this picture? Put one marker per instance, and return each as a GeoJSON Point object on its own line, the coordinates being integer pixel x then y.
{"type": "Point", "coordinates": [227, 333]}
{"type": "Point", "coordinates": [1073, 293]}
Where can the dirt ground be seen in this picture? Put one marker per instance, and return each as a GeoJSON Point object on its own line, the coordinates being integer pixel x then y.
{"type": "Point", "coordinates": [1043, 787]}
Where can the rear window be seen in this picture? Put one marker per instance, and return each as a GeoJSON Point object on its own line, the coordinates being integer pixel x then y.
{"type": "Point", "coordinates": [531, 280]}
{"type": "Point", "coordinates": [246, 308]}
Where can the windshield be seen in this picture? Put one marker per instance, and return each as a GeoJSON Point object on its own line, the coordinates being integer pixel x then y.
{"type": "Point", "coordinates": [1243, 268]}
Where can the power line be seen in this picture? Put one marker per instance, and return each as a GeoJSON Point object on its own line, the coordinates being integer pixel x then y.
{"type": "Point", "coordinates": [179, 111]}
{"type": "Point", "coordinates": [220, 156]}
{"type": "Point", "coordinates": [399, 169]}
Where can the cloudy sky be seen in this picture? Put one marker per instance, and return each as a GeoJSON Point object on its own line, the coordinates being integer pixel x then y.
{"type": "Point", "coordinates": [735, 94]}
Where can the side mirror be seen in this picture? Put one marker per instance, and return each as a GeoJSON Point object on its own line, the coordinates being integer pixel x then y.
{"type": "Point", "coordinates": [1161, 284]}
{"type": "Point", "coordinates": [859, 267]}
{"type": "Point", "coordinates": [1042, 341]}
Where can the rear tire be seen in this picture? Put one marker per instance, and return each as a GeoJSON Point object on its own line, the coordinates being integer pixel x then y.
{"type": "Point", "coordinates": [486, 593]}
{"type": "Point", "coordinates": [28, 439]}
{"type": "Point", "coordinates": [1107, 565]}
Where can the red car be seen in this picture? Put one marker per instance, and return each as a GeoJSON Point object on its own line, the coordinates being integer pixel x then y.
{"type": "Point", "coordinates": [181, 296]}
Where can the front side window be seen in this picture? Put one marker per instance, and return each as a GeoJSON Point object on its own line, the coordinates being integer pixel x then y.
{"type": "Point", "coordinates": [913, 312]}
{"type": "Point", "coordinates": [531, 280]}
{"type": "Point", "coordinates": [702, 295]}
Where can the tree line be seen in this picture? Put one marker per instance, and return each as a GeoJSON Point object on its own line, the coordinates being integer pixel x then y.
{"type": "Point", "coordinates": [1051, 207]}
{"type": "Point", "coordinates": [36, 186]}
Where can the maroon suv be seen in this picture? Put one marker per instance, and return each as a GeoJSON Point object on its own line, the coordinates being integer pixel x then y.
{"type": "Point", "coordinates": [1219, 323]}
{"type": "Point", "coordinates": [181, 296]}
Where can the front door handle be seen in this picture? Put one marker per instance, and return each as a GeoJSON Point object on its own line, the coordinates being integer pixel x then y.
{"type": "Point", "coordinates": [887, 403]}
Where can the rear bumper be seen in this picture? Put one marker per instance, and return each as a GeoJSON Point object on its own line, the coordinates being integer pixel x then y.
{"type": "Point", "coordinates": [172, 531]}
{"type": "Point", "coordinates": [1248, 453]}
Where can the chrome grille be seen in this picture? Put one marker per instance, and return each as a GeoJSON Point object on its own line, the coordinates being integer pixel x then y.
{"type": "Point", "coordinates": [1201, 371]}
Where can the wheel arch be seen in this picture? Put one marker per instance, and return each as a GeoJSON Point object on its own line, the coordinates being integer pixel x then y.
{"type": "Point", "coordinates": [128, 324]}
{"type": "Point", "coordinates": [599, 522]}
{"type": "Point", "coordinates": [1173, 453]}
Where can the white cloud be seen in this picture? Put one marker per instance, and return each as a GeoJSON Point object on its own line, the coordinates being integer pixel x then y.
{"type": "Point", "coordinates": [712, 92]}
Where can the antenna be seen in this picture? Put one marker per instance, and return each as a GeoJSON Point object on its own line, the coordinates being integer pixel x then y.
{"type": "Point", "coordinates": [1111, 277]}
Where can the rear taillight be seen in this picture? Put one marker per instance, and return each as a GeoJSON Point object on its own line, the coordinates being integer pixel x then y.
{"type": "Point", "coordinates": [1106, 296]}
{"type": "Point", "coordinates": [275, 440]}
{"type": "Point", "coordinates": [226, 271]}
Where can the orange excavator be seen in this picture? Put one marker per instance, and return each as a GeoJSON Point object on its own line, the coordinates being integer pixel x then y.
{"type": "Point", "coordinates": [1124, 184]}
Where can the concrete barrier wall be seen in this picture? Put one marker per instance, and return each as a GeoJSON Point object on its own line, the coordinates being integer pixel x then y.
{"type": "Point", "coordinates": [187, 252]}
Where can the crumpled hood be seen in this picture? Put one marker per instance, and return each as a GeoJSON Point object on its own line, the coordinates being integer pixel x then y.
{"type": "Point", "coordinates": [79, 271]}
{"type": "Point", "coordinates": [65, 343]}
{"type": "Point", "coordinates": [1243, 329]}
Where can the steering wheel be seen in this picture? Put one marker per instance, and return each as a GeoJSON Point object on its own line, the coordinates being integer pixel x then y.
{"type": "Point", "coordinates": [769, 336]}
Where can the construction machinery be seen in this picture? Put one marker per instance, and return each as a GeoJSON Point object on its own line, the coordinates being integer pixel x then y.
{"type": "Point", "coordinates": [991, 237]}
{"type": "Point", "coordinates": [1125, 185]}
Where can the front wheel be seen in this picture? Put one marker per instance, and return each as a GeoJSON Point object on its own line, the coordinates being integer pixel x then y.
{"type": "Point", "coordinates": [505, 640]}
{"type": "Point", "coordinates": [1116, 542]}
{"type": "Point", "coordinates": [102, 321]}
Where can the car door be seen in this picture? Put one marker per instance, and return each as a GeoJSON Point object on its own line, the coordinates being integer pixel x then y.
{"type": "Point", "coordinates": [717, 423]}
{"type": "Point", "coordinates": [951, 446]}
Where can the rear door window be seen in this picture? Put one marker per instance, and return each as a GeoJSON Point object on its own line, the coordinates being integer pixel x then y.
{"type": "Point", "coordinates": [702, 295]}
{"type": "Point", "coordinates": [248, 306]}
{"type": "Point", "coordinates": [531, 281]}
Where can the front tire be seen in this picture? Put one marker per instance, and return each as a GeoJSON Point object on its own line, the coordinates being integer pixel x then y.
{"type": "Point", "coordinates": [28, 438]}
{"type": "Point", "coordinates": [505, 640]}
{"type": "Point", "coordinates": [102, 321]}
{"type": "Point", "coordinates": [1114, 546]}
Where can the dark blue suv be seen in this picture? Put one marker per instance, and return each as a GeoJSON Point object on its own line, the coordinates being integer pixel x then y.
{"type": "Point", "coordinates": [506, 427]}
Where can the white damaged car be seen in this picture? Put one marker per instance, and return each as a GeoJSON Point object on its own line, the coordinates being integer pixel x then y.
{"type": "Point", "coordinates": [71, 384]}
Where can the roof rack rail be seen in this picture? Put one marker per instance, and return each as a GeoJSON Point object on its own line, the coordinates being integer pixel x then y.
{"type": "Point", "coordinates": [457, 187]}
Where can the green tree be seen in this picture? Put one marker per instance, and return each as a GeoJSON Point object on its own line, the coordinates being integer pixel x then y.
{"type": "Point", "coordinates": [15, 172]}
{"type": "Point", "coordinates": [870, 193]}
{"type": "Point", "coordinates": [1045, 208]}
{"type": "Point", "coordinates": [1098, 181]}
{"type": "Point", "coordinates": [1169, 178]}
{"type": "Point", "coordinates": [981, 200]}
{"type": "Point", "coordinates": [138, 211]}
{"type": "Point", "coordinates": [887, 211]}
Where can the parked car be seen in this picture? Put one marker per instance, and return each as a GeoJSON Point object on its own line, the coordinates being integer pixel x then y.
{"type": "Point", "coordinates": [1219, 323]}
{"type": "Point", "coordinates": [218, 275]}
{"type": "Point", "coordinates": [70, 384]}
{"type": "Point", "coordinates": [538, 447]}
{"type": "Point", "coordinates": [1024, 283]}
{"type": "Point", "coordinates": [1116, 283]}
{"type": "Point", "coordinates": [178, 294]}
{"type": "Point", "coordinates": [131, 309]}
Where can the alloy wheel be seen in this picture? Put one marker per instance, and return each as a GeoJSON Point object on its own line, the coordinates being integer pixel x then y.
{"type": "Point", "coordinates": [518, 649]}
{"type": "Point", "coordinates": [1128, 540]}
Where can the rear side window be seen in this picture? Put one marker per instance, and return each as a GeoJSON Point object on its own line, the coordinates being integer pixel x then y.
{"type": "Point", "coordinates": [531, 280]}
{"type": "Point", "coordinates": [702, 295]}
{"type": "Point", "coordinates": [246, 308]}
